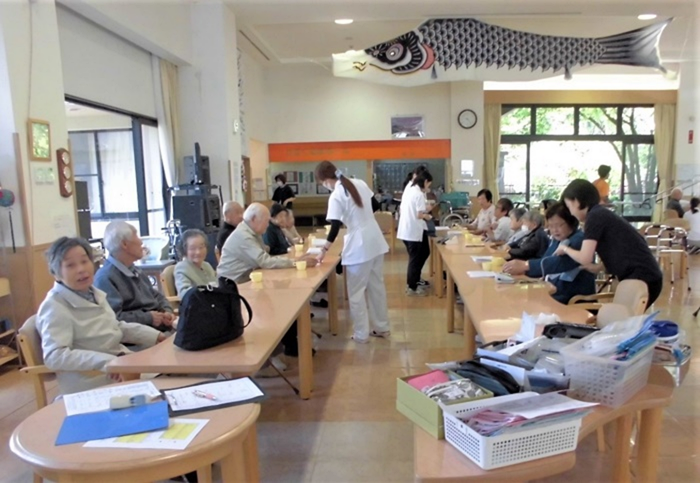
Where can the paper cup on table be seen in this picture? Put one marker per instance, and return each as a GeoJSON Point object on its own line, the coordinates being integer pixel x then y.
{"type": "Point", "coordinates": [497, 263]}
{"type": "Point", "coordinates": [256, 277]}
{"type": "Point", "coordinates": [299, 247]}
{"type": "Point", "coordinates": [486, 266]}
{"type": "Point", "coordinates": [301, 265]}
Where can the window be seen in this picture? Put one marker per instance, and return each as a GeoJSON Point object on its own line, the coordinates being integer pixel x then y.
{"type": "Point", "coordinates": [118, 156]}
{"type": "Point", "coordinates": [544, 147]}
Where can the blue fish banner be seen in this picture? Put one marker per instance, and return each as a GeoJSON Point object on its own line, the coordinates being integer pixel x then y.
{"type": "Point", "coordinates": [445, 50]}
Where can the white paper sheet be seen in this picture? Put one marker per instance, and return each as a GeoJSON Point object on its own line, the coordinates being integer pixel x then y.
{"type": "Point", "coordinates": [480, 274]}
{"type": "Point", "coordinates": [229, 391]}
{"type": "Point", "coordinates": [98, 399]}
{"type": "Point", "coordinates": [542, 405]}
{"type": "Point", "coordinates": [482, 258]}
{"type": "Point", "coordinates": [318, 242]}
{"type": "Point", "coordinates": [314, 251]}
{"type": "Point", "coordinates": [178, 436]}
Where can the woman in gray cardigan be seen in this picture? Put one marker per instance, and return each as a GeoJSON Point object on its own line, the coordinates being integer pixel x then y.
{"type": "Point", "coordinates": [79, 330]}
{"type": "Point", "coordinates": [193, 271]}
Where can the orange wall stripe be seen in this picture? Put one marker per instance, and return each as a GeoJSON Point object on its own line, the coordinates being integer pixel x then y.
{"type": "Point", "coordinates": [360, 150]}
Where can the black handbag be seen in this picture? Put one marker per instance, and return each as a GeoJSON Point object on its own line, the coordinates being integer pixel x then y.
{"type": "Point", "coordinates": [211, 316]}
{"type": "Point", "coordinates": [496, 380]}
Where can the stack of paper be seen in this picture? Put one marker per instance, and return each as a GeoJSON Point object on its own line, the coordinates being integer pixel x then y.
{"type": "Point", "coordinates": [481, 274]}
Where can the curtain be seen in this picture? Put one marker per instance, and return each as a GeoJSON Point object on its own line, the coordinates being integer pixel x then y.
{"type": "Point", "coordinates": [492, 147]}
{"type": "Point", "coordinates": [165, 85]}
{"type": "Point", "coordinates": [664, 136]}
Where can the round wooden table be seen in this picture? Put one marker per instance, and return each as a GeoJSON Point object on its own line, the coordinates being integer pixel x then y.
{"type": "Point", "coordinates": [229, 438]}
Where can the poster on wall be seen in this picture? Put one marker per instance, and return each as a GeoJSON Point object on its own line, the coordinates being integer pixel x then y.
{"type": "Point", "coordinates": [405, 127]}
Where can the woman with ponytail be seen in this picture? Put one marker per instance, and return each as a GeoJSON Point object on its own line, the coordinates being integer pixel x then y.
{"type": "Point", "coordinates": [363, 250]}
{"type": "Point", "coordinates": [693, 217]}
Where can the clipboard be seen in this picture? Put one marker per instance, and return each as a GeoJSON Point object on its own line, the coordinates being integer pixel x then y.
{"type": "Point", "coordinates": [228, 392]}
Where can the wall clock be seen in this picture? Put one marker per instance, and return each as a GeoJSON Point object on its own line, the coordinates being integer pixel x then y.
{"type": "Point", "coordinates": [65, 172]}
{"type": "Point", "coordinates": [467, 119]}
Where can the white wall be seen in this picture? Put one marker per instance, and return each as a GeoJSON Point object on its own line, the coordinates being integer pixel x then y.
{"type": "Point", "coordinates": [684, 153]}
{"type": "Point", "coordinates": [99, 66]}
{"type": "Point", "coordinates": [255, 100]}
{"type": "Point", "coordinates": [159, 26]}
{"type": "Point", "coordinates": [39, 97]}
{"type": "Point", "coordinates": [306, 103]}
{"type": "Point", "coordinates": [93, 123]}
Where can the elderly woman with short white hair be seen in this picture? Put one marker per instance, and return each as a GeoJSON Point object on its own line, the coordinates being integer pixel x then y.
{"type": "Point", "coordinates": [79, 330]}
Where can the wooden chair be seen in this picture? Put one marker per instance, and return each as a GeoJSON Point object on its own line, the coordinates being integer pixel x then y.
{"type": "Point", "coordinates": [631, 295]}
{"type": "Point", "coordinates": [667, 242]}
{"type": "Point", "coordinates": [670, 214]}
{"type": "Point", "coordinates": [167, 282]}
{"type": "Point", "coordinates": [385, 220]}
{"type": "Point", "coordinates": [30, 345]}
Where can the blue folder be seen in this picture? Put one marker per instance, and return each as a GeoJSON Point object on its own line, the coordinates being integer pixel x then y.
{"type": "Point", "coordinates": [111, 424]}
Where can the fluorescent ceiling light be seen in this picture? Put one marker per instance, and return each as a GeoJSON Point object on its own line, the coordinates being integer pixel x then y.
{"type": "Point", "coordinates": [343, 21]}
{"type": "Point", "coordinates": [647, 16]}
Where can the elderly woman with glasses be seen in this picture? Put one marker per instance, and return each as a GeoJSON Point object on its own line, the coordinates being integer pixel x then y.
{"type": "Point", "coordinates": [193, 270]}
{"type": "Point", "coordinates": [78, 328]}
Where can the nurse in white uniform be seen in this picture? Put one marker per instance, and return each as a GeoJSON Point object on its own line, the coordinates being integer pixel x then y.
{"type": "Point", "coordinates": [363, 250]}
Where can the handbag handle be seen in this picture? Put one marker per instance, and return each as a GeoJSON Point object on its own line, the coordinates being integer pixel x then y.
{"type": "Point", "coordinates": [248, 308]}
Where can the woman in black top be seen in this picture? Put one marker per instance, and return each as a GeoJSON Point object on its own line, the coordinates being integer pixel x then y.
{"type": "Point", "coordinates": [621, 248]}
{"type": "Point", "coordinates": [283, 193]}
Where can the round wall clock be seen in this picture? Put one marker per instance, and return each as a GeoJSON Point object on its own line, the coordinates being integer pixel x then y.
{"type": "Point", "coordinates": [467, 119]}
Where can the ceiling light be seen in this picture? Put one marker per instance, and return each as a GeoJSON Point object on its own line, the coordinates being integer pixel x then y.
{"type": "Point", "coordinates": [647, 16]}
{"type": "Point", "coordinates": [343, 21]}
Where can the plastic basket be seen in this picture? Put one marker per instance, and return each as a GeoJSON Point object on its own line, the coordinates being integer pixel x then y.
{"type": "Point", "coordinates": [603, 380]}
{"type": "Point", "coordinates": [490, 452]}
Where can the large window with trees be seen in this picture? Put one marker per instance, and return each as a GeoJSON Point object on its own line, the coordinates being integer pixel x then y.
{"type": "Point", "coordinates": [545, 147]}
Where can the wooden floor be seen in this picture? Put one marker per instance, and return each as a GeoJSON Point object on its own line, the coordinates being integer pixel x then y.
{"type": "Point", "coordinates": [350, 431]}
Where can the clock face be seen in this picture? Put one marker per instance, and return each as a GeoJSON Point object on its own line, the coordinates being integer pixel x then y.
{"type": "Point", "coordinates": [67, 172]}
{"type": "Point", "coordinates": [65, 157]}
{"type": "Point", "coordinates": [67, 186]}
{"type": "Point", "coordinates": [467, 119]}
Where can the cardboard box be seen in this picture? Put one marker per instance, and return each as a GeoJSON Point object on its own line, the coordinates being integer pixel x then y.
{"type": "Point", "coordinates": [420, 409]}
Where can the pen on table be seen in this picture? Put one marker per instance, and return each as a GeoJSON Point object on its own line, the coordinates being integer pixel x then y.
{"type": "Point", "coordinates": [204, 395]}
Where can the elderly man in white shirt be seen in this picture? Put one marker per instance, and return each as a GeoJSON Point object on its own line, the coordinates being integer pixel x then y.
{"type": "Point", "coordinates": [244, 251]}
{"type": "Point", "coordinates": [500, 230]}
{"type": "Point", "coordinates": [486, 216]}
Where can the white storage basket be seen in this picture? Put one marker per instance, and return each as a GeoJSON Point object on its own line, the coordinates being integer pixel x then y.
{"type": "Point", "coordinates": [604, 380]}
{"type": "Point", "coordinates": [491, 452]}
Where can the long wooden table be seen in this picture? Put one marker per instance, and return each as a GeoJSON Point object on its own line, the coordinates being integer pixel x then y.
{"type": "Point", "coordinates": [273, 314]}
{"type": "Point", "coordinates": [229, 437]}
{"type": "Point", "coordinates": [492, 310]}
{"type": "Point", "coordinates": [438, 461]}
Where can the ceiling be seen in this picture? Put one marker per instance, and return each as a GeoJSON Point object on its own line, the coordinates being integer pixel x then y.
{"type": "Point", "coordinates": [301, 31]}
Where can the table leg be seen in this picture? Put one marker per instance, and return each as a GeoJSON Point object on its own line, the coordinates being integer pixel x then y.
{"type": "Point", "coordinates": [130, 377]}
{"type": "Point", "coordinates": [450, 303]}
{"type": "Point", "coordinates": [345, 284]}
{"type": "Point", "coordinates": [437, 280]}
{"type": "Point", "coordinates": [648, 445]}
{"type": "Point", "coordinates": [432, 258]}
{"type": "Point", "coordinates": [333, 302]}
{"type": "Point", "coordinates": [250, 454]}
{"type": "Point", "coordinates": [469, 334]}
{"type": "Point", "coordinates": [233, 465]}
{"type": "Point", "coordinates": [621, 449]}
{"type": "Point", "coordinates": [306, 372]}
{"type": "Point", "coordinates": [204, 474]}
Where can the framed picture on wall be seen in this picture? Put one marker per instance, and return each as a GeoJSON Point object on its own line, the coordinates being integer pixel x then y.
{"type": "Point", "coordinates": [295, 187]}
{"type": "Point", "coordinates": [404, 127]}
{"type": "Point", "coordinates": [39, 136]}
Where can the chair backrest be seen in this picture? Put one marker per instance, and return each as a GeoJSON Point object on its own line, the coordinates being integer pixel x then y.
{"type": "Point", "coordinates": [633, 294]}
{"type": "Point", "coordinates": [30, 343]}
{"type": "Point", "coordinates": [612, 312]}
{"type": "Point", "coordinates": [167, 281]}
{"type": "Point", "coordinates": [385, 220]}
{"type": "Point", "coordinates": [670, 214]}
{"type": "Point", "coordinates": [678, 223]}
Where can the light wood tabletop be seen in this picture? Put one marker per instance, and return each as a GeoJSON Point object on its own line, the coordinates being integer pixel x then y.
{"type": "Point", "coordinates": [492, 310]}
{"type": "Point", "coordinates": [438, 461]}
{"type": "Point", "coordinates": [228, 437]}
{"type": "Point", "coordinates": [274, 311]}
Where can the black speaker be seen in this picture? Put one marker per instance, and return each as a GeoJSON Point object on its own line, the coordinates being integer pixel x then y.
{"type": "Point", "coordinates": [197, 172]}
{"type": "Point", "coordinates": [198, 211]}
